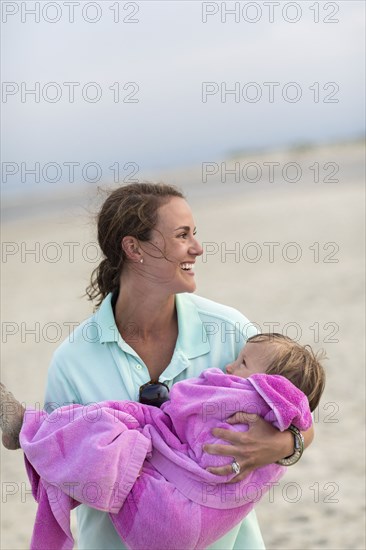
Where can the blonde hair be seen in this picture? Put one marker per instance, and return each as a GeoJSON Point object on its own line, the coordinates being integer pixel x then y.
{"type": "Point", "coordinates": [297, 363]}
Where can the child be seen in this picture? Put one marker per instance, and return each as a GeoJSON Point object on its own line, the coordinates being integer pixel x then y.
{"type": "Point", "coordinates": [146, 466]}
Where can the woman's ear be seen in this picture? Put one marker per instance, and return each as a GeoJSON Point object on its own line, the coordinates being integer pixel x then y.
{"type": "Point", "coordinates": [130, 247]}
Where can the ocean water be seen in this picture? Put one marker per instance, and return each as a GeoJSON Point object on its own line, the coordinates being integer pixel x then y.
{"type": "Point", "coordinates": [257, 172]}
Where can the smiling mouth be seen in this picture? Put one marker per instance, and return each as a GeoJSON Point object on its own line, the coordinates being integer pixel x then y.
{"type": "Point", "coordinates": [187, 266]}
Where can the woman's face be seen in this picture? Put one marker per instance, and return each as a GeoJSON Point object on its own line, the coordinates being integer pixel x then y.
{"type": "Point", "coordinates": [173, 236]}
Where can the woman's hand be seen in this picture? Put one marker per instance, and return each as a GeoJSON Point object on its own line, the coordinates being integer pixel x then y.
{"type": "Point", "coordinates": [262, 444]}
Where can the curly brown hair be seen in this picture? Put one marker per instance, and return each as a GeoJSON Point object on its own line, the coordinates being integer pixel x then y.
{"type": "Point", "coordinates": [130, 210]}
{"type": "Point", "coordinates": [297, 363]}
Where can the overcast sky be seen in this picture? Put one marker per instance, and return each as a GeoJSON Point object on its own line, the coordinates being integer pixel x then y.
{"type": "Point", "coordinates": [307, 78]}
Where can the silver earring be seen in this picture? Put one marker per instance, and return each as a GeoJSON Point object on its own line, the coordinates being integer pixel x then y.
{"type": "Point", "coordinates": [141, 261]}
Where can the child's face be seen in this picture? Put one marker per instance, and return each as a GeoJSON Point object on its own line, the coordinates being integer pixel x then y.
{"type": "Point", "coordinates": [255, 357]}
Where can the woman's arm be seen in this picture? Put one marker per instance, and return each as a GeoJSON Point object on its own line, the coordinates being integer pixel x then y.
{"type": "Point", "coordinates": [262, 444]}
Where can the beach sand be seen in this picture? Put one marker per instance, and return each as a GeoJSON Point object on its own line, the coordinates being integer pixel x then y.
{"type": "Point", "coordinates": [288, 256]}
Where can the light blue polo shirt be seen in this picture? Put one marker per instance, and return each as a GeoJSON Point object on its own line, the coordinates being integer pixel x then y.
{"type": "Point", "coordinates": [96, 364]}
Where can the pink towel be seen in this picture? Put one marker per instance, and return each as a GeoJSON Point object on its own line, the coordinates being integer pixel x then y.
{"type": "Point", "coordinates": [94, 455]}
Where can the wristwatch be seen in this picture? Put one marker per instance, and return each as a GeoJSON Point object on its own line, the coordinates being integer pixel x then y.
{"type": "Point", "coordinates": [298, 448]}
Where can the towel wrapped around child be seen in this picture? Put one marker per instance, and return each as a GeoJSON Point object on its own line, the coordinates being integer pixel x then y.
{"type": "Point", "coordinates": [146, 466]}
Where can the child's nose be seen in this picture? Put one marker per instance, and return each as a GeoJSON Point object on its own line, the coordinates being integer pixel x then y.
{"type": "Point", "coordinates": [229, 368]}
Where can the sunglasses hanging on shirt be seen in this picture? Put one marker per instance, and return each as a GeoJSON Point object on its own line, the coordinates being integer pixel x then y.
{"type": "Point", "coordinates": [154, 393]}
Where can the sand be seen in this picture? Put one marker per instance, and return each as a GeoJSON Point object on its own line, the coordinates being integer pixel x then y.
{"type": "Point", "coordinates": [290, 256]}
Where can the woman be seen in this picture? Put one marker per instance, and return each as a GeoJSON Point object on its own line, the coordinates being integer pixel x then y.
{"type": "Point", "coordinates": [149, 326]}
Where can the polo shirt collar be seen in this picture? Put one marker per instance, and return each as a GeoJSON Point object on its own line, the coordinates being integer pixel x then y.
{"type": "Point", "coordinates": [106, 321]}
{"type": "Point", "coordinates": [192, 338]}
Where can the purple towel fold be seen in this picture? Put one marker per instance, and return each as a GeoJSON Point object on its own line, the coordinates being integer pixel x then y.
{"type": "Point", "coordinates": [146, 467]}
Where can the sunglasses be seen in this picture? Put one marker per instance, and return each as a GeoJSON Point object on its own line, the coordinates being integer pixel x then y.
{"type": "Point", "coordinates": [154, 393]}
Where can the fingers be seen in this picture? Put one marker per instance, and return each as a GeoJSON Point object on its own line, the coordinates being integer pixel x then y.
{"type": "Point", "coordinates": [221, 471]}
{"type": "Point", "coordinates": [227, 471]}
{"type": "Point", "coordinates": [229, 435]}
{"type": "Point", "coordinates": [243, 418]}
{"type": "Point", "coordinates": [226, 450]}
{"type": "Point", "coordinates": [217, 449]}
{"type": "Point", "coordinates": [236, 449]}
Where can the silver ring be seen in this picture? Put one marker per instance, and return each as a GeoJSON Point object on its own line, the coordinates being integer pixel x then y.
{"type": "Point", "coordinates": [235, 467]}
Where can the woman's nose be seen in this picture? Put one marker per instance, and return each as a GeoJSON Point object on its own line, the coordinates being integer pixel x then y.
{"type": "Point", "coordinates": [196, 248]}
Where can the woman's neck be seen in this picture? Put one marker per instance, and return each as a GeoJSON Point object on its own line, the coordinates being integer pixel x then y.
{"type": "Point", "coordinates": [146, 312]}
